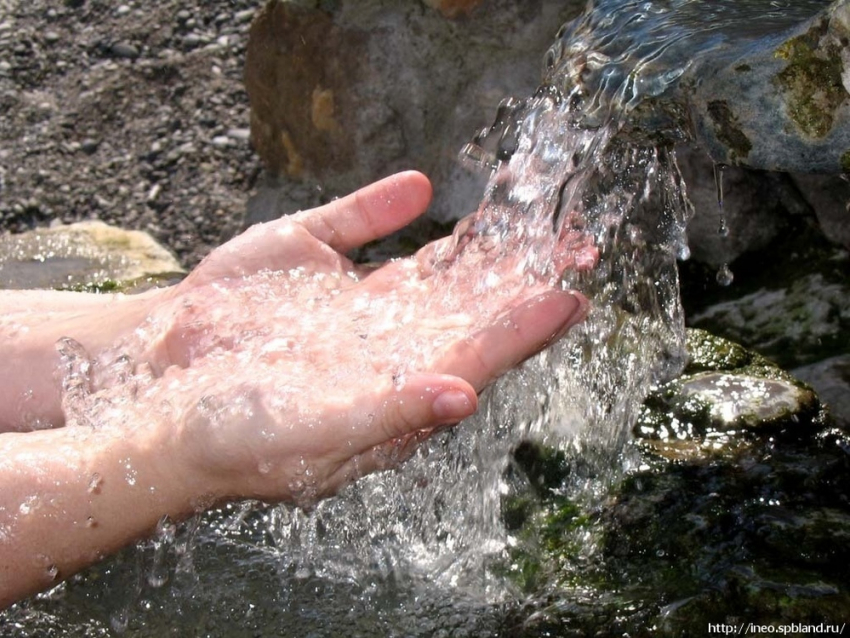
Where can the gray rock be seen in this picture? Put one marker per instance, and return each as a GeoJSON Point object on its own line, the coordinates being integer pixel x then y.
{"type": "Point", "coordinates": [790, 321]}
{"type": "Point", "coordinates": [829, 197]}
{"type": "Point", "coordinates": [83, 254]}
{"type": "Point", "coordinates": [781, 105]}
{"type": "Point", "coordinates": [755, 85]}
{"type": "Point", "coordinates": [125, 50]}
{"type": "Point", "coordinates": [340, 98]}
{"type": "Point", "coordinates": [831, 379]}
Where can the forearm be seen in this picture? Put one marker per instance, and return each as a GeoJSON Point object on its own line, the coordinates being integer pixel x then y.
{"type": "Point", "coordinates": [32, 323]}
{"type": "Point", "coordinates": [74, 495]}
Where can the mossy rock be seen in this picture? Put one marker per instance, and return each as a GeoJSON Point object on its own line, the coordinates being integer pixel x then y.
{"type": "Point", "coordinates": [88, 256]}
{"type": "Point", "coordinates": [726, 388]}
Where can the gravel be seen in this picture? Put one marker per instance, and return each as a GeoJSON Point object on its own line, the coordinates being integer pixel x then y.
{"type": "Point", "coordinates": [133, 113]}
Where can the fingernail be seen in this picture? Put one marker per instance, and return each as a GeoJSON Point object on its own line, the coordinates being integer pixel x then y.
{"type": "Point", "coordinates": [452, 405]}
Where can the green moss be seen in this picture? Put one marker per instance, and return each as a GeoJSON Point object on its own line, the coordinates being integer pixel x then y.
{"type": "Point", "coordinates": [811, 81]}
{"type": "Point", "coordinates": [743, 68]}
{"type": "Point", "coordinates": [707, 352]}
{"type": "Point", "coordinates": [728, 130]}
{"type": "Point", "coordinates": [100, 287]}
{"type": "Point", "coordinates": [129, 286]}
{"type": "Point", "coordinates": [845, 162]}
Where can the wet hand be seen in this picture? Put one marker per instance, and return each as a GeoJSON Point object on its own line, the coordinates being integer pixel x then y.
{"type": "Point", "coordinates": [285, 371]}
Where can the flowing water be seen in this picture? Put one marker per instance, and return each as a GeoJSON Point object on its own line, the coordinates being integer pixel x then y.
{"type": "Point", "coordinates": [427, 548]}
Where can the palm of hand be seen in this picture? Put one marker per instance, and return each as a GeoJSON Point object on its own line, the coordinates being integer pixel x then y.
{"type": "Point", "coordinates": [301, 371]}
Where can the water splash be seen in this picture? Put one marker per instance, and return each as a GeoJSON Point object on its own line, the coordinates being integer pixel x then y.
{"type": "Point", "coordinates": [568, 168]}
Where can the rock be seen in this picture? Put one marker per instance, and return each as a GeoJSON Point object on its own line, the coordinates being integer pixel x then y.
{"type": "Point", "coordinates": [829, 197]}
{"type": "Point", "coordinates": [89, 146]}
{"type": "Point", "coordinates": [780, 106]}
{"type": "Point", "coordinates": [86, 254]}
{"type": "Point", "coordinates": [454, 8]}
{"type": "Point", "coordinates": [727, 388]}
{"type": "Point", "coordinates": [792, 323]}
{"type": "Point", "coordinates": [831, 379]}
{"type": "Point", "coordinates": [340, 98]}
{"type": "Point", "coordinates": [733, 401]}
{"type": "Point", "coordinates": [770, 96]}
{"type": "Point", "coordinates": [124, 50]}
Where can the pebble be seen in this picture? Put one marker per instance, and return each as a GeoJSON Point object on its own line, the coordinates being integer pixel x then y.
{"type": "Point", "coordinates": [89, 146]}
{"type": "Point", "coordinates": [124, 50]}
{"type": "Point", "coordinates": [192, 39]}
{"type": "Point", "coordinates": [51, 37]}
{"type": "Point", "coordinates": [122, 10]}
{"type": "Point", "coordinates": [221, 141]}
{"type": "Point", "coordinates": [241, 134]}
{"type": "Point", "coordinates": [241, 17]}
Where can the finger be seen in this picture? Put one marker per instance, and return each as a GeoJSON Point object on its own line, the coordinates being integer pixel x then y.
{"type": "Point", "coordinates": [382, 457]}
{"type": "Point", "coordinates": [418, 402]}
{"type": "Point", "coordinates": [370, 213]}
{"type": "Point", "coordinates": [513, 338]}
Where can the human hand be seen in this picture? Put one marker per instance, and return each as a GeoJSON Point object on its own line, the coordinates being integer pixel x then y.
{"type": "Point", "coordinates": [283, 371]}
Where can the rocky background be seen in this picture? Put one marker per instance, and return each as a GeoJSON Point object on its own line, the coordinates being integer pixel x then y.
{"type": "Point", "coordinates": [132, 112]}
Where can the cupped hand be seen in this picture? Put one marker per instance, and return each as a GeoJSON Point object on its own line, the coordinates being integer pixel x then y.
{"type": "Point", "coordinates": [285, 371]}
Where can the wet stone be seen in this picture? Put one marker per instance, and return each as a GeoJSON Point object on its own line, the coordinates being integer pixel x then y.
{"type": "Point", "coordinates": [124, 50]}
{"type": "Point", "coordinates": [725, 389]}
{"type": "Point", "coordinates": [740, 400]}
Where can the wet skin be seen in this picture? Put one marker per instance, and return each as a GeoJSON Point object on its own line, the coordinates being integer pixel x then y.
{"type": "Point", "coordinates": [252, 378]}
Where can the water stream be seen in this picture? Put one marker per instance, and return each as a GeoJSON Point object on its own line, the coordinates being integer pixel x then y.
{"type": "Point", "coordinates": [427, 548]}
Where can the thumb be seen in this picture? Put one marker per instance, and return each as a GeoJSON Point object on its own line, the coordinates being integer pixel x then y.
{"type": "Point", "coordinates": [420, 401]}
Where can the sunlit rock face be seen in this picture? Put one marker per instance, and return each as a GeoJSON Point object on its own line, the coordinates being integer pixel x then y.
{"type": "Point", "coordinates": [341, 97]}
{"type": "Point", "coordinates": [782, 104]}
{"type": "Point", "coordinates": [86, 255]}
{"type": "Point", "coordinates": [725, 391]}
{"type": "Point", "coordinates": [344, 93]}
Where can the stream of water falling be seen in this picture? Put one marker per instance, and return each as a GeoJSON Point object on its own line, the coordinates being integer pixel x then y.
{"type": "Point", "coordinates": [559, 168]}
{"type": "Point", "coordinates": [431, 536]}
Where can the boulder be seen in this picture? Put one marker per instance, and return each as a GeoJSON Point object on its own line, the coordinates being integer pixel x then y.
{"type": "Point", "coordinates": [87, 255]}
{"type": "Point", "coordinates": [831, 379]}
{"type": "Point", "coordinates": [780, 104]}
{"type": "Point", "coordinates": [342, 96]}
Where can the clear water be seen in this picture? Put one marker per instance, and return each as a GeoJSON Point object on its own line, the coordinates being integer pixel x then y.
{"type": "Point", "coordinates": [425, 549]}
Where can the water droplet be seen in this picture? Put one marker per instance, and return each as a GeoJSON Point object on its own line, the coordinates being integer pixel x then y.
{"type": "Point", "coordinates": [166, 530]}
{"type": "Point", "coordinates": [119, 621]}
{"type": "Point", "coordinates": [297, 487]}
{"type": "Point", "coordinates": [724, 275]}
{"type": "Point", "coordinates": [28, 505]}
{"type": "Point", "coordinates": [399, 380]}
{"type": "Point", "coordinates": [53, 572]}
{"type": "Point", "coordinates": [264, 467]}
{"type": "Point", "coordinates": [157, 576]}
{"type": "Point", "coordinates": [723, 228]}
{"type": "Point", "coordinates": [95, 483]}
{"type": "Point", "coordinates": [90, 522]}
{"type": "Point", "coordinates": [718, 183]}
{"type": "Point", "coordinates": [684, 252]}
